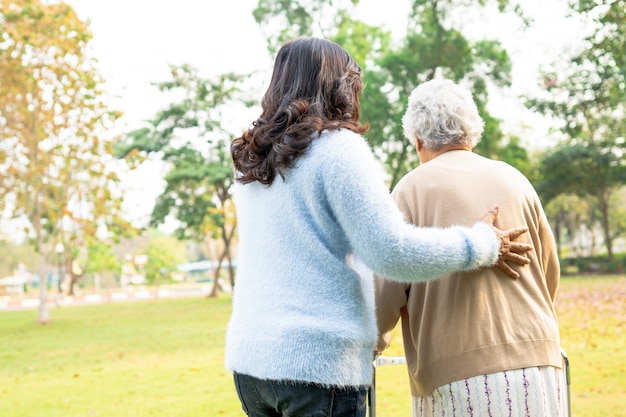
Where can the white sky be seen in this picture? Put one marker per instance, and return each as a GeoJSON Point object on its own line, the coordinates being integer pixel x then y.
{"type": "Point", "coordinates": [135, 41]}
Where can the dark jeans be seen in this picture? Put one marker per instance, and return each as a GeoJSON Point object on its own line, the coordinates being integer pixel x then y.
{"type": "Point", "coordinates": [266, 398]}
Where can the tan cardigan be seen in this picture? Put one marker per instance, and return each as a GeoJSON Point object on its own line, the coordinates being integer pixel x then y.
{"type": "Point", "coordinates": [473, 323]}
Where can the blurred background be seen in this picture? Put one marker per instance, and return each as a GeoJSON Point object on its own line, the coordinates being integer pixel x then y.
{"type": "Point", "coordinates": [116, 119]}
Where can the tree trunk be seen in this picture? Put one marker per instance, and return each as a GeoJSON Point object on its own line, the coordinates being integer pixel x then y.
{"type": "Point", "coordinates": [231, 270]}
{"type": "Point", "coordinates": [72, 282]}
{"type": "Point", "coordinates": [216, 289]}
{"type": "Point", "coordinates": [74, 277]}
{"type": "Point", "coordinates": [216, 274]}
{"type": "Point", "coordinates": [227, 238]}
{"type": "Point", "coordinates": [606, 230]}
{"type": "Point", "coordinates": [69, 276]}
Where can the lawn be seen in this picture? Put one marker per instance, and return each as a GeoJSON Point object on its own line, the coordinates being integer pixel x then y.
{"type": "Point", "coordinates": [165, 358]}
{"type": "Point", "coordinates": [592, 318]}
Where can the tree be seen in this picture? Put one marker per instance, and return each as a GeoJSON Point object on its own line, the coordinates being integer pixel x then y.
{"type": "Point", "coordinates": [189, 136]}
{"type": "Point", "coordinates": [56, 168]}
{"type": "Point", "coordinates": [587, 93]}
{"type": "Point", "coordinates": [585, 169]}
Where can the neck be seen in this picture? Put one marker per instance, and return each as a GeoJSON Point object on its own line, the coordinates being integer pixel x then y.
{"type": "Point", "coordinates": [426, 155]}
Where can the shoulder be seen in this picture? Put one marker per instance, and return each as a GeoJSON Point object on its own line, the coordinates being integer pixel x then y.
{"type": "Point", "coordinates": [342, 147]}
{"type": "Point", "coordinates": [492, 163]}
{"type": "Point", "coordinates": [508, 177]}
{"type": "Point", "coordinates": [340, 139]}
{"type": "Point", "coordinates": [496, 167]}
{"type": "Point", "coordinates": [512, 172]}
{"type": "Point", "coordinates": [410, 179]}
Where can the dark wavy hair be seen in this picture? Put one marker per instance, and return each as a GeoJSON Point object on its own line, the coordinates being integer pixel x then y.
{"type": "Point", "coordinates": [315, 86]}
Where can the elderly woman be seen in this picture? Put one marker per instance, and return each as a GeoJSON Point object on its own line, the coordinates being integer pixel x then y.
{"type": "Point", "coordinates": [476, 342]}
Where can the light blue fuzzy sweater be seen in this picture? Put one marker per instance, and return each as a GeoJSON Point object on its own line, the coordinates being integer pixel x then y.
{"type": "Point", "coordinates": [300, 311]}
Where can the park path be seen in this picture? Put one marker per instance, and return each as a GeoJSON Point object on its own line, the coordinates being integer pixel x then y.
{"type": "Point", "coordinates": [11, 303]}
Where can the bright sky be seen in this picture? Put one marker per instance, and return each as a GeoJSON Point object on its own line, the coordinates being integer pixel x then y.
{"type": "Point", "coordinates": [136, 40]}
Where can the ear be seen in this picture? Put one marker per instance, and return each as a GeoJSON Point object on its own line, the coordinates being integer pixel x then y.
{"type": "Point", "coordinates": [418, 144]}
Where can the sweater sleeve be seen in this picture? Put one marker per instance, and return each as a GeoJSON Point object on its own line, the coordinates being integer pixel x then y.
{"type": "Point", "coordinates": [379, 235]}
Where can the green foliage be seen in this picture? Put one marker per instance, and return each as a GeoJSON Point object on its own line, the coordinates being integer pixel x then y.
{"type": "Point", "coordinates": [362, 41]}
{"type": "Point", "coordinates": [583, 169]}
{"type": "Point", "coordinates": [101, 258]}
{"type": "Point", "coordinates": [610, 41]}
{"type": "Point", "coordinates": [586, 169]}
{"type": "Point", "coordinates": [164, 254]}
{"type": "Point", "coordinates": [599, 264]}
{"type": "Point", "coordinates": [588, 94]}
{"type": "Point", "coordinates": [515, 154]}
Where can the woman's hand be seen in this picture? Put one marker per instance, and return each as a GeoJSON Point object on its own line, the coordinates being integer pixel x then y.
{"type": "Point", "coordinates": [509, 251]}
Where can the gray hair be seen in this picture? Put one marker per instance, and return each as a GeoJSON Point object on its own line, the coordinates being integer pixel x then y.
{"type": "Point", "coordinates": [442, 113]}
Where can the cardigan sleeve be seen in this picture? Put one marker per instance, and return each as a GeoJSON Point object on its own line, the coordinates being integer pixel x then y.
{"type": "Point", "coordinates": [548, 252]}
{"type": "Point", "coordinates": [391, 297]}
{"type": "Point", "coordinates": [377, 232]}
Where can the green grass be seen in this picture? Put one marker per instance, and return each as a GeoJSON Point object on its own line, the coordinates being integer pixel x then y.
{"type": "Point", "coordinates": [165, 358]}
{"type": "Point", "coordinates": [592, 321]}
{"type": "Point", "coordinates": [159, 358]}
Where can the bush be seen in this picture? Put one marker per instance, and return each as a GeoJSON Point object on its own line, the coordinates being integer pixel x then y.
{"type": "Point", "coordinates": [598, 264]}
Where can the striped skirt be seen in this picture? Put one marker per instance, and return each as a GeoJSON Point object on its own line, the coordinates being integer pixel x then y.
{"type": "Point", "coordinates": [528, 392]}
